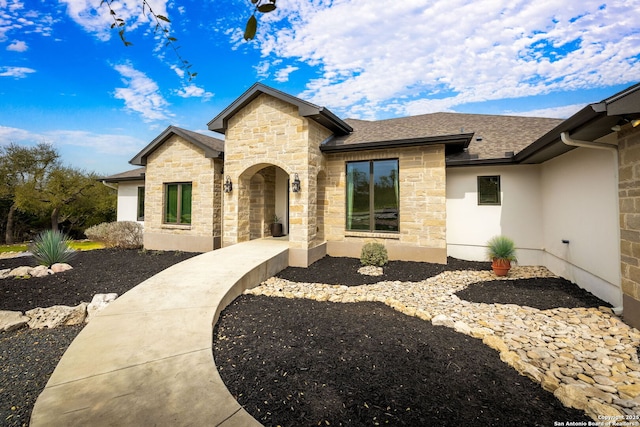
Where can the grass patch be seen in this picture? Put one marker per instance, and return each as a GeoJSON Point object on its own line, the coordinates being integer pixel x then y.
{"type": "Point", "coordinates": [78, 245]}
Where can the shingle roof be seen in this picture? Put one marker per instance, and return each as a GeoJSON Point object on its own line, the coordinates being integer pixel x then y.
{"type": "Point", "coordinates": [131, 175]}
{"type": "Point", "coordinates": [493, 136]}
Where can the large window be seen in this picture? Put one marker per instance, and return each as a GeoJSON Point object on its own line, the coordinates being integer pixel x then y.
{"type": "Point", "coordinates": [177, 208]}
{"type": "Point", "coordinates": [489, 190]}
{"type": "Point", "coordinates": [140, 215]}
{"type": "Point", "coordinates": [372, 196]}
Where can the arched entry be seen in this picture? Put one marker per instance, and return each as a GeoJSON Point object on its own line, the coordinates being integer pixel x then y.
{"type": "Point", "coordinates": [263, 196]}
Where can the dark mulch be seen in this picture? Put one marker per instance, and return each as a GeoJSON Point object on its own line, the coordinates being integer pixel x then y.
{"type": "Point", "coordinates": [543, 294]}
{"type": "Point", "coordinates": [94, 272]}
{"type": "Point", "coordinates": [305, 363]}
{"type": "Point", "coordinates": [342, 363]}
{"type": "Point", "coordinates": [302, 362]}
{"type": "Point", "coordinates": [344, 271]}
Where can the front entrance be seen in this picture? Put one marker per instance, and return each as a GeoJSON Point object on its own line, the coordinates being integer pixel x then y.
{"type": "Point", "coordinates": [267, 203]}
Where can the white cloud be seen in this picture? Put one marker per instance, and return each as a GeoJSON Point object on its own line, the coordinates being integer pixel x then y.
{"type": "Point", "coordinates": [105, 154]}
{"type": "Point", "coordinates": [98, 143]}
{"type": "Point", "coordinates": [18, 46]}
{"type": "Point", "coordinates": [416, 56]}
{"type": "Point", "coordinates": [193, 91]}
{"type": "Point", "coordinates": [142, 95]}
{"type": "Point", "coordinates": [18, 20]}
{"type": "Point", "coordinates": [16, 72]}
{"type": "Point", "coordinates": [97, 19]}
{"type": "Point", "coordinates": [282, 75]}
{"type": "Point", "coordinates": [561, 112]}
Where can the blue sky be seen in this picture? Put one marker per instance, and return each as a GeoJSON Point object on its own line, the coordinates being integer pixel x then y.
{"type": "Point", "coordinates": [68, 80]}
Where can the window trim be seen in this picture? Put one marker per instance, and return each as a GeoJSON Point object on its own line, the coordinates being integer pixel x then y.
{"type": "Point", "coordinates": [140, 207]}
{"type": "Point", "coordinates": [371, 230]}
{"type": "Point", "coordinates": [498, 195]}
{"type": "Point", "coordinates": [178, 203]}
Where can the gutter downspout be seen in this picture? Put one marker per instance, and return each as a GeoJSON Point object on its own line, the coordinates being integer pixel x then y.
{"type": "Point", "coordinates": [567, 140]}
{"type": "Point", "coordinates": [106, 184]}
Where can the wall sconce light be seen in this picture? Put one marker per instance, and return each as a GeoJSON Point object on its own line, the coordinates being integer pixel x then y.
{"type": "Point", "coordinates": [635, 123]}
{"type": "Point", "coordinates": [228, 186]}
{"type": "Point", "coordinates": [295, 186]}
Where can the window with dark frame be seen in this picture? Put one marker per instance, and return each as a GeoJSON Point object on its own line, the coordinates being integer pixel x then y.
{"type": "Point", "coordinates": [177, 203]}
{"type": "Point", "coordinates": [140, 214]}
{"type": "Point", "coordinates": [489, 190]}
{"type": "Point", "coordinates": [373, 202]}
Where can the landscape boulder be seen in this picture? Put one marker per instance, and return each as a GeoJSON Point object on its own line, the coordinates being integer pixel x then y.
{"type": "Point", "coordinates": [12, 320]}
{"type": "Point", "coordinates": [98, 303]}
{"type": "Point", "coordinates": [40, 271]}
{"type": "Point", "coordinates": [60, 267]}
{"type": "Point", "coordinates": [58, 315]}
{"type": "Point", "coordinates": [23, 271]}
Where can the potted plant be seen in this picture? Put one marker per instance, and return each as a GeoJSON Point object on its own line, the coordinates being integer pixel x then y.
{"type": "Point", "coordinates": [501, 252]}
{"type": "Point", "coordinates": [276, 227]}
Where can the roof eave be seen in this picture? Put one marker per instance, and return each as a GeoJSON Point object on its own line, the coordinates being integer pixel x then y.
{"type": "Point", "coordinates": [319, 114]}
{"type": "Point", "coordinates": [140, 159]}
{"type": "Point", "coordinates": [460, 142]}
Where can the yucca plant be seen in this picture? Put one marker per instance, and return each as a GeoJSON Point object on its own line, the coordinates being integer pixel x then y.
{"type": "Point", "coordinates": [501, 251]}
{"type": "Point", "coordinates": [51, 247]}
{"type": "Point", "coordinates": [502, 248]}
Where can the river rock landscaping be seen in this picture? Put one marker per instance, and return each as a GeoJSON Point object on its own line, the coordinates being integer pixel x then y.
{"type": "Point", "coordinates": [451, 357]}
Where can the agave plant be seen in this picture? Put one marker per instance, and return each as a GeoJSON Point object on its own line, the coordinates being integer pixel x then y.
{"type": "Point", "coordinates": [501, 248]}
{"type": "Point", "coordinates": [51, 247]}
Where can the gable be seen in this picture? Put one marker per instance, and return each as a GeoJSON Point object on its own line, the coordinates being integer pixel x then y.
{"type": "Point", "coordinates": [212, 147]}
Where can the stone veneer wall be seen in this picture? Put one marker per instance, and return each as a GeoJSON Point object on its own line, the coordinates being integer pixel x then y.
{"type": "Point", "coordinates": [629, 194]}
{"type": "Point", "coordinates": [180, 161]}
{"type": "Point", "coordinates": [422, 235]}
{"type": "Point", "coordinates": [269, 132]}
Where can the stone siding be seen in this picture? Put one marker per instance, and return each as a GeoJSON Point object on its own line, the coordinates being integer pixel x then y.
{"type": "Point", "coordinates": [178, 161]}
{"type": "Point", "coordinates": [629, 193]}
{"type": "Point", "coordinates": [270, 132]}
{"type": "Point", "coordinates": [422, 180]}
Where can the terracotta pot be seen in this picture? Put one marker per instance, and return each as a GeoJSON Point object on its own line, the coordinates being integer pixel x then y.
{"type": "Point", "coordinates": [501, 267]}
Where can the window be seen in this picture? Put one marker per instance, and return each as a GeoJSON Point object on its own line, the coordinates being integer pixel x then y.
{"type": "Point", "coordinates": [140, 215]}
{"type": "Point", "coordinates": [372, 196]}
{"type": "Point", "coordinates": [177, 208]}
{"type": "Point", "coordinates": [489, 190]}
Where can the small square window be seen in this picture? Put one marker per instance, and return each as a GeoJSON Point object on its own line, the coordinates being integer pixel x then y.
{"type": "Point", "coordinates": [489, 190]}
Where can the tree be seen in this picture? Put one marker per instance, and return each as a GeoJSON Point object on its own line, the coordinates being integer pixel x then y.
{"type": "Point", "coordinates": [21, 167]}
{"type": "Point", "coordinates": [67, 195]}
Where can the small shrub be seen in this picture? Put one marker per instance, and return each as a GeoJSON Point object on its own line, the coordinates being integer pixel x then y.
{"type": "Point", "coordinates": [51, 247]}
{"type": "Point", "coordinates": [501, 247]}
{"type": "Point", "coordinates": [119, 234]}
{"type": "Point", "coordinates": [374, 254]}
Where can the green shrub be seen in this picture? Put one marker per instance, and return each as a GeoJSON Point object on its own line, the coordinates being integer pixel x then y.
{"type": "Point", "coordinates": [501, 247]}
{"type": "Point", "coordinates": [119, 234]}
{"type": "Point", "coordinates": [51, 247]}
{"type": "Point", "coordinates": [374, 254]}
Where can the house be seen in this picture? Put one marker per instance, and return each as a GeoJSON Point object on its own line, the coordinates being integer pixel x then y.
{"type": "Point", "coordinates": [429, 186]}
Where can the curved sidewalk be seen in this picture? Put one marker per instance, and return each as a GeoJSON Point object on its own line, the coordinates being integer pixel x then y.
{"type": "Point", "coordinates": [146, 360]}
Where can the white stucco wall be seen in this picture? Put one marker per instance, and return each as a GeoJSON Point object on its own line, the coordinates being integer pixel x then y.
{"type": "Point", "coordinates": [470, 226]}
{"type": "Point", "coordinates": [580, 192]}
{"type": "Point", "coordinates": [128, 200]}
{"type": "Point", "coordinates": [572, 197]}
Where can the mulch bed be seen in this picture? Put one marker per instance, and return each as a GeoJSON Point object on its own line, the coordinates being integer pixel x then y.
{"type": "Point", "coordinates": [311, 362]}
{"type": "Point", "coordinates": [301, 363]}
{"type": "Point", "coordinates": [94, 272]}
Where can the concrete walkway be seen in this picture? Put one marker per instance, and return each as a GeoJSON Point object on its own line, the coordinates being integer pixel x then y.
{"type": "Point", "coordinates": [146, 360]}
